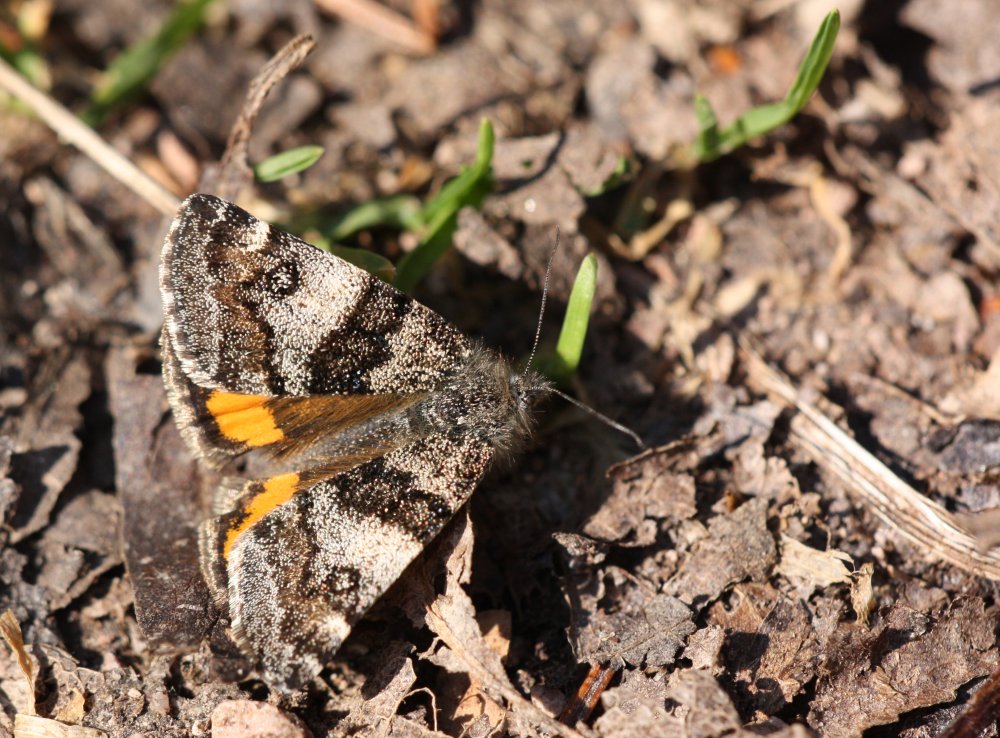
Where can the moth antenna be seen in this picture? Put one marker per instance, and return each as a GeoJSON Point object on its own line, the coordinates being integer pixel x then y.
{"type": "Point", "coordinates": [534, 347]}
{"type": "Point", "coordinates": [545, 297]}
{"type": "Point", "coordinates": [602, 417]}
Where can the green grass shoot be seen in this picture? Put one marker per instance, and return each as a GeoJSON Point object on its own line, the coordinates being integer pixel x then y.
{"type": "Point", "coordinates": [434, 222]}
{"type": "Point", "coordinates": [288, 162]}
{"type": "Point", "coordinates": [563, 363]}
{"type": "Point", "coordinates": [713, 142]}
{"type": "Point", "coordinates": [439, 218]}
{"type": "Point", "coordinates": [131, 71]}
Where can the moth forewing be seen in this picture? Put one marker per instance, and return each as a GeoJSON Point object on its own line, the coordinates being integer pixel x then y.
{"type": "Point", "coordinates": [379, 416]}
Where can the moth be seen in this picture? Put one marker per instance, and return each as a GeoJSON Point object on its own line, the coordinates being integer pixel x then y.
{"type": "Point", "coordinates": [376, 417]}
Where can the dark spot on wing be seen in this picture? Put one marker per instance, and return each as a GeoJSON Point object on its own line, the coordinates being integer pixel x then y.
{"type": "Point", "coordinates": [282, 279]}
{"type": "Point", "coordinates": [345, 357]}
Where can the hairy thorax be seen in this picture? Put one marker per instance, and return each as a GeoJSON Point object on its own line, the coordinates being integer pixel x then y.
{"type": "Point", "coordinates": [484, 398]}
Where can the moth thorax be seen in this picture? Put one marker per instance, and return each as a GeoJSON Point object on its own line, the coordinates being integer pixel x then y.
{"type": "Point", "coordinates": [487, 399]}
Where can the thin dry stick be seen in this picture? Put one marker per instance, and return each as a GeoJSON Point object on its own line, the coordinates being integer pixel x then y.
{"type": "Point", "coordinates": [288, 58]}
{"type": "Point", "coordinates": [434, 704]}
{"type": "Point", "coordinates": [233, 173]}
{"type": "Point", "coordinates": [383, 21]}
{"type": "Point", "coordinates": [897, 504]}
{"type": "Point", "coordinates": [75, 132]}
{"type": "Point", "coordinates": [580, 706]}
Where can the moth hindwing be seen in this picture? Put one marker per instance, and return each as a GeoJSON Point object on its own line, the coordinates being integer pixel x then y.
{"type": "Point", "coordinates": [375, 416]}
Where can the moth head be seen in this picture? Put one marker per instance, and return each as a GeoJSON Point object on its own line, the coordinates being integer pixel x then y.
{"type": "Point", "coordinates": [527, 388]}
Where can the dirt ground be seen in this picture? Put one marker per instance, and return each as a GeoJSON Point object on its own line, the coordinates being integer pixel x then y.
{"type": "Point", "coordinates": [805, 332]}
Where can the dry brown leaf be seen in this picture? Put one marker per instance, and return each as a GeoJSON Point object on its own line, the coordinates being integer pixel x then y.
{"type": "Point", "coordinates": [811, 569]}
{"type": "Point", "coordinates": [862, 595]}
{"type": "Point", "coordinates": [47, 447]}
{"type": "Point", "coordinates": [251, 719]}
{"type": "Point", "coordinates": [32, 726]}
{"type": "Point", "coordinates": [907, 661]}
{"type": "Point", "coordinates": [476, 710]}
{"type": "Point", "coordinates": [739, 546]}
{"type": "Point", "coordinates": [382, 694]}
{"type": "Point", "coordinates": [11, 631]}
{"type": "Point", "coordinates": [635, 709]}
{"type": "Point", "coordinates": [27, 724]}
{"type": "Point", "coordinates": [770, 648]}
{"type": "Point", "coordinates": [653, 485]}
{"type": "Point", "coordinates": [452, 618]}
{"type": "Point", "coordinates": [977, 397]}
{"type": "Point", "coordinates": [643, 630]}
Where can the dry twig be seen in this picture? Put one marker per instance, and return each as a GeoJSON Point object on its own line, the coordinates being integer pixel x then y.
{"type": "Point", "coordinates": [921, 521]}
{"type": "Point", "coordinates": [383, 21]}
{"type": "Point", "coordinates": [72, 130]}
{"type": "Point", "coordinates": [233, 173]}
{"type": "Point", "coordinates": [580, 706]}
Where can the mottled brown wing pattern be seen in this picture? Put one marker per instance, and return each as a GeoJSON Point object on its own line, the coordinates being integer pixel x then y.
{"type": "Point", "coordinates": [376, 416]}
{"type": "Point", "coordinates": [290, 430]}
{"type": "Point", "coordinates": [298, 575]}
{"type": "Point", "coordinates": [252, 310]}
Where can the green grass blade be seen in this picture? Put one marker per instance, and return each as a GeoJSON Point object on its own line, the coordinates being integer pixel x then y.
{"type": "Point", "coordinates": [29, 63]}
{"type": "Point", "coordinates": [814, 65]}
{"type": "Point", "coordinates": [708, 127]}
{"type": "Point", "coordinates": [401, 211]}
{"type": "Point", "coordinates": [757, 122]}
{"type": "Point", "coordinates": [710, 145]}
{"type": "Point", "coordinates": [451, 197]}
{"type": "Point", "coordinates": [440, 216]}
{"type": "Point", "coordinates": [614, 179]}
{"type": "Point", "coordinates": [288, 162]}
{"type": "Point", "coordinates": [136, 66]}
{"type": "Point", "coordinates": [569, 348]}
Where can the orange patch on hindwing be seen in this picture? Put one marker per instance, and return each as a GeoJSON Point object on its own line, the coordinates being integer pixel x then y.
{"type": "Point", "coordinates": [276, 492]}
{"type": "Point", "coordinates": [243, 418]}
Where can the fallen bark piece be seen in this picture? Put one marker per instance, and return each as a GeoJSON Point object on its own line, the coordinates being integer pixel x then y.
{"type": "Point", "coordinates": [909, 660]}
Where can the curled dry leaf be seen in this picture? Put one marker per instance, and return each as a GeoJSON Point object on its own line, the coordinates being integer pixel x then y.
{"type": "Point", "coordinates": [811, 569]}
{"type": "Point", "coordinates": [862, 595]}
{"type": "Point", "coordinates": [27, 724]}
{"type": "Point", "coordinates": [10, 629]}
